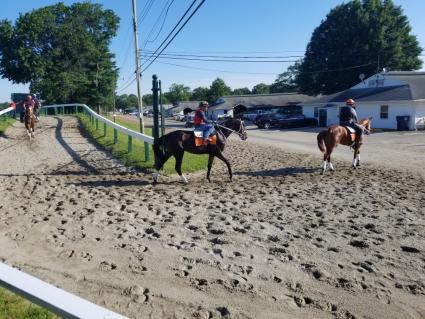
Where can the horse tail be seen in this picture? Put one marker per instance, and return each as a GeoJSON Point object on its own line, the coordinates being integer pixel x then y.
{"type": "Point", "coordinates": [321, 141]}
{"type": "Point", "coordinates": [158, 148]}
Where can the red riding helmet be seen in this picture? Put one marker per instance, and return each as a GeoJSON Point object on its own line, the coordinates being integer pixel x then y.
{"type": "Point", "coordinates": [350, 102]}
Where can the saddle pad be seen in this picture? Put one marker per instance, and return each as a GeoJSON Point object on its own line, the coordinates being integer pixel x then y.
{"type": "Point", "coordinates": [350, 129]}
{"type": "Point", "coordinates": [199, 141]}
{"type": "Point", "coordinates": [352, 133]}
{"type": "Point", "coordinates": [198, 133]}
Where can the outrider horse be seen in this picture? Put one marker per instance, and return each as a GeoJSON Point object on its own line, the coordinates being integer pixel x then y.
{"type": "Point", "coordinates": [328, 139]}
{"type": "Point", "coordinates": [29, 120]}
{"type": "Point", "coordinates": [177, 142]}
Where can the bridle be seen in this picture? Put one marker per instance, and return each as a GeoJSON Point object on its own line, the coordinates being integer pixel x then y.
{"type": "Point", "coordinates": [241, 132]}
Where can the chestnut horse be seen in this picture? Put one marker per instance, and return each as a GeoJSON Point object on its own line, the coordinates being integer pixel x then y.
{"type": "Point", "coordinates": [177, 142]}
{"type": "Point", "coordinates": [328, 139]}
{"type": "Point", "coordinates": [29, 120]}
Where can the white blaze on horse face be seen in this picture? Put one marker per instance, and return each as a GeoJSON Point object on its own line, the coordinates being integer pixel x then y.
{"type": "Point", "coordinates": [184, 180]}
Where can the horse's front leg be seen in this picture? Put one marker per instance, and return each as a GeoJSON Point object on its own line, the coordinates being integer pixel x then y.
{"type": "Point", "coordinates": [178, 167]}
{"type": "Point", "coordinates": [220, 156]}
{"type": "Point", "coordinates": [356, 157]}
{"type": "Point", "coordinates": [210, 162]}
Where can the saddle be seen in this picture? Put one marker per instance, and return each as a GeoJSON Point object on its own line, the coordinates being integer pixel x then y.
{"type": "Point", "coordinates": [199, 140]}
{"type": "Point", "coordinates": [352, 133]}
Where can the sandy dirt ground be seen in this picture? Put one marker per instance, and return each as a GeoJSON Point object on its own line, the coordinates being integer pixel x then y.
{"type": "Point", "coordinates": [280, 241]}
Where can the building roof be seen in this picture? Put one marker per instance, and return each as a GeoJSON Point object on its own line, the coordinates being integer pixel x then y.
{"type": "Point", "coordinates": [184, 104]}
{"type": "Point", "coordinates": [390, 86]}
{"type": "Point", "coordinates": [259, 100]}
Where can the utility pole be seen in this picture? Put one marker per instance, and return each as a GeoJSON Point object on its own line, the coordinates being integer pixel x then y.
{"type": "Point", "coordinates": [138, 75]}
{"type": "Point", "coordinates": [97, 87]}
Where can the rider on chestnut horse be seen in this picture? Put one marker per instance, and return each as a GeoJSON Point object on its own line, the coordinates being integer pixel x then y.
{"type": "Point", "coordinates": [348, 117]}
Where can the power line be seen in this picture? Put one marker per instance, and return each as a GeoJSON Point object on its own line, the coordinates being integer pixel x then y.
{"type": "Point", "coordinates": [216, 70]}
{"type": "Point", "coordinates": [144, 11]}
{"type": "Point", "coordinates": [175, 27]}
{"type": "Point", "coordinates": [340, 69]}
{"type": "Point", "coordinates": [178, 31]}
{"type": "Point", "coordinates": [162, 25]}
{"type": "Point", "coordinates": [225, 60]}
{"type": "Point", "coordinates": [229, 57]}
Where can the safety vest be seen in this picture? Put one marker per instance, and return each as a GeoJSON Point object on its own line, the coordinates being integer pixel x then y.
{"type": "Point", "coordinates": [198, 119]}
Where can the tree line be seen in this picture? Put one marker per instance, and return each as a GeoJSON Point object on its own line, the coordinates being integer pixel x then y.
{"type": "Point", "coordinates": [63, 53]}
{"type": "Point", "coordinates": [181, 92]}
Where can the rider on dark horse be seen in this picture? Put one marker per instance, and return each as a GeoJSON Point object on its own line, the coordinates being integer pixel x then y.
{"type": "Point", "coordinates": [201, 123]}
{"type": "Point", "coordinates": [348, 117]}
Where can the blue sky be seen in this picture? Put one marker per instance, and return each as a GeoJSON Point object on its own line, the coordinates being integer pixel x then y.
{"type": "Point", "coordinates": [220, 27]}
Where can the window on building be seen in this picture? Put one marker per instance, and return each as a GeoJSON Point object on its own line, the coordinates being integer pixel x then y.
{"type": "Point", "coordinates": [384, 112]}
{"type": "Point", "coordinates": [316, 112]}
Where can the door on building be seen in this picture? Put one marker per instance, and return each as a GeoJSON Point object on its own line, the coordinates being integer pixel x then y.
{"type": "Point", "coordinates": [323, 117]}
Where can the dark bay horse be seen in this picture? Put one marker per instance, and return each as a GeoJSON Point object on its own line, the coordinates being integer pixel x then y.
{"type": "Point", "coordinates": [329, 138]}
{"type": "Point", "coordinates": [177, 142]}
{"type": "Point", "coordinates": [29, 120]}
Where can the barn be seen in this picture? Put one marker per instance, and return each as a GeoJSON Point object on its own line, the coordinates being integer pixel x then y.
{"type": "Point", "coordinates": [395, 100]}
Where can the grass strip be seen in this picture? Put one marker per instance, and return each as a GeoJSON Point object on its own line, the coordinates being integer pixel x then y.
{"type": "Point", "coordinates": [136, 158]}
{"type": "Point", "coordinates": [5, 122]}
{"type": "Point", "coordinates": [14, 307]}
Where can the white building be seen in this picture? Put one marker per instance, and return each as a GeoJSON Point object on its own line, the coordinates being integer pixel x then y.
{"type": "Point", "coordinates": [390, 98]}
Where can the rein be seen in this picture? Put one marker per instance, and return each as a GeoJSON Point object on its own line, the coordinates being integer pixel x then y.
{"type": "Point", "coordinates": [229, 129]}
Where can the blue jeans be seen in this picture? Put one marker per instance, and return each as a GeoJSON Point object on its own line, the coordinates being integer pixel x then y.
{"type": "Point", "coordinates": [206, 129]}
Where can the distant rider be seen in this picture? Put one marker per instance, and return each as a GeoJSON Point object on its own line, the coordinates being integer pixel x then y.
{"type": "Point", "coordinates": [37, 105]}
{"type": "Point", "coordinates": [28, 102]}
{"type": "Point", "coordinates": [349, 118]}
{"type": "Point", "coordinates": [201, 123]}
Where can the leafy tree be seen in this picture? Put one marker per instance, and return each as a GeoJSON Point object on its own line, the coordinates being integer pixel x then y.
{"type": "Point", "coordinates": [286, 82]}
{"type": "Point", "coordinates": [147, 100]}
{"type": "Point", "coordinates": [126, 101]}
{"type": "Point", "coordinates": [62, 51]}
{"type": "Point", "coordinates": [218, 89]}
{"type": "Point", "coordinates": [200, 94]}
{"type": "Point", "coordinates": [261, 88]}
{"type": "Point", "coordinates": [357, 37]}
{"type": "Point", "coordinates": [177, 93]}
{"type": "Point", "coordinates": [241, 91]}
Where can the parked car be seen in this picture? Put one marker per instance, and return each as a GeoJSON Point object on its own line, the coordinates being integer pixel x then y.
{"type": "Point", "coordinates": [179, 117]}
{"type": "Point", "coordinates": [284, 120]}
{"type": "Point", "coordinates": [251, 115]}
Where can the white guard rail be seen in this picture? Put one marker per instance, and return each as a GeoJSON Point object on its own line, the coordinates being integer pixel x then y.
{"type": "Point", "coordinates": [58, 301]}
{"type": "Point", "coordinates": [9, 109]}
{"type": "Point", "coordinates": [137, 135]}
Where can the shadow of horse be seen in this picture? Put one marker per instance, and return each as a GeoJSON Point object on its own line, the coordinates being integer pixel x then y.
{"type": "Point", "coordinates": [112, 183]}
{"type": "Point", "coordinates": [288, 171]}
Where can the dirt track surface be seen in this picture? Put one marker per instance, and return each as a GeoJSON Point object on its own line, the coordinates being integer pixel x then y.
{"type": "Point", "coordinates": [281, 241]}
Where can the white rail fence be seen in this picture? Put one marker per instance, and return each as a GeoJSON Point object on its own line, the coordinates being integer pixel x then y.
{"type": "Point", "coordinates": [120, 128]}
{"type": "Point", "coordinates": [9, 109]}
{"type": "Point", "coordinates": [58, 301]}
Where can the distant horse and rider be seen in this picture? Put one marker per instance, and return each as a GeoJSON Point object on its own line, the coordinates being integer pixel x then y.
{"type": "Point", "coordinates": [29, 116]}
{"type": "Point", "coordinates": [349, 133]}
{"type": "Point", "coordinates": [198, 141]}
